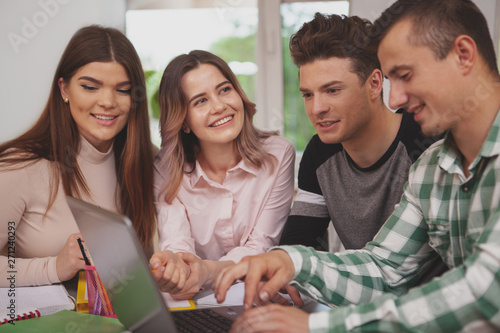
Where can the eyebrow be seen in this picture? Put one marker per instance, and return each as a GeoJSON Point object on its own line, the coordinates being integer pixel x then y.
{"type": "Point", "coordinates": [203, 93]}
{"type": "Point", "coordinates": [326, 85]}
{"type": "Point", "coordinates": [91, 79]}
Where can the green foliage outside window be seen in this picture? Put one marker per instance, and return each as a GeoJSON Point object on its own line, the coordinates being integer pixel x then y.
{"type": "Point", "coordinates": [298, 128]}
{"type": "Point", "coordinates": [153, 79]}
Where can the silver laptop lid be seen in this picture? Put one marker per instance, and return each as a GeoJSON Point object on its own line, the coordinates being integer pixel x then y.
{"type": "Point", "coordinates": [123, 268]}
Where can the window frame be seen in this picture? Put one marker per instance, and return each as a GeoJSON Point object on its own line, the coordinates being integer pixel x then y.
{"type": "Point", "coordinates": [270, 87]}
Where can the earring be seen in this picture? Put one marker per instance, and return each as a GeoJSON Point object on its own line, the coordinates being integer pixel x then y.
{"type": "Point", "coordinates": [186, 130]}
{"type": "Point", "coordinates": [66, 100]}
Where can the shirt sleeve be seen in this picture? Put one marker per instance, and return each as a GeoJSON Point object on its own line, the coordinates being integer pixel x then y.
{"type": "Point", "coordinates": [270, 223]}
{"type": "Point", "coordinates": [308, 221]}
{"type": "Point", "coordinates": [309, 217]}
{"type": "Point", "coordinates": [462, 299]}
{"type": "Point", "coordinates": [174, 229]}
{"type": "Point", "coordinates": [14, 199]}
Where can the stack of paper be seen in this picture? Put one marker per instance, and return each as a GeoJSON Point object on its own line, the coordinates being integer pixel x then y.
{"type": "Point", "coordinates": [234, 296]}
{"type": "Point", "coordinates": [236, 293]}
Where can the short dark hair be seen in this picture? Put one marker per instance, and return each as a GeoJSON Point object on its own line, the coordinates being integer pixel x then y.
{"type": "Point", "coordinates": [338, 36]}
{"type": "Point", "coordinates": [437, 23]}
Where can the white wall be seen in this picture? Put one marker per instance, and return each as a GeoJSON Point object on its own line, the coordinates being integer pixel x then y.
{"type": "Point", "coordinates": [371, 9]}
{"type": "Point", "coordinates": [33, 35]}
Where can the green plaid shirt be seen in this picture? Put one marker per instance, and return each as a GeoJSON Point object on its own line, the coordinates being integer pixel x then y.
{"type": "Point", "coordinates": [441, 213]}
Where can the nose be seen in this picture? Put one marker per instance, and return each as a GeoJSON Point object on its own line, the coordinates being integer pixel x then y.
{"type": "Point", "coordinates": [218, 105]}
{"type": "Point", "coordinates": [317, 105]}
{"type": "Point", "coordinates": [398, 97]}
{"type": "Point", "coordinates": [107, 98]}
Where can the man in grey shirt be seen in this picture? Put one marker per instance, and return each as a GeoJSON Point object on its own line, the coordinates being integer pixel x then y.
{"type": "Point", "coordinates": [353, 171]}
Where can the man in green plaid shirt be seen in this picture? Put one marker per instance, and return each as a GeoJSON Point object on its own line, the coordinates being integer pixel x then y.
{"type": "Point", "coordinates": [440, 60]}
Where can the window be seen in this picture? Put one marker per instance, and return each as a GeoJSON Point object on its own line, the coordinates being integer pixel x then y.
{"type": "Point", "coordinates": [230, 29]}
{"type": "Point", "coordinates": [159, 35]}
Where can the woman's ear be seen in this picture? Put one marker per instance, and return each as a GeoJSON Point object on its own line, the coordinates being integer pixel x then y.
{"type": "Point", "coordinates": [63, 88]}
{"type": "Point", "coordinates": [186, 129]}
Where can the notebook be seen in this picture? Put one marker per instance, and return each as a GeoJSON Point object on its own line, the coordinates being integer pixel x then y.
{"type": "Point", "coordinates": [125, 273]}
{"type": "Point", "coordinates": [29, 302]}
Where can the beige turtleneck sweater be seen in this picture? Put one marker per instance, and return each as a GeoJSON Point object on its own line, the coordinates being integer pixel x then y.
{"type": "Point", "coordinates": [24, 197]}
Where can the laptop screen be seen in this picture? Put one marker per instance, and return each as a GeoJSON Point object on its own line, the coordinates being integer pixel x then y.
{"type": "Point", "coordinates": [123, 268]}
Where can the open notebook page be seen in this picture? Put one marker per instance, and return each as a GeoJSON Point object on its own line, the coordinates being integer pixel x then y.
{"type": "Point", "coordinates": [46, 299]}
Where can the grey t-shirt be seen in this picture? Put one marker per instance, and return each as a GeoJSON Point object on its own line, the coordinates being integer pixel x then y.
{"type": "Point", "coordinates": [357, 200]}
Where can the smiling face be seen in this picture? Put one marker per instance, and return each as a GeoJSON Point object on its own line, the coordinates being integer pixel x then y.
{"type": "Point", "coordinates": [99, 101]}
{"type": "Point", "coordinates": [215, 109]}
{"type": "Point", "coordinates": [335, 101]}
{"type": "Point", "coordinates": [420, 83]}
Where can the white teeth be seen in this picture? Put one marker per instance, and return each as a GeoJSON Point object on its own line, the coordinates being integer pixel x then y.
{"type": "Point", "coordinates": [417, 110]}
{"type": "Point", "coordinates": [104, 117]}
{"type": "Point", "coordinates": [222, 121]}
{"type": "Point", "coordinates": [327, 123]}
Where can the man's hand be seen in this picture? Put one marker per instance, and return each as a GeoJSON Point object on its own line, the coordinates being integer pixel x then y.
{"type": "Point", "coordinates": [275, 268]}
{"type": "Point", "coordinates": [272, 318]}
{"type": "Point", "coordinates": [292, 292]}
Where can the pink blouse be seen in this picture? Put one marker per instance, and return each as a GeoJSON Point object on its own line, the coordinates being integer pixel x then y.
{"type": "Point", "coordinates": [243, 216]}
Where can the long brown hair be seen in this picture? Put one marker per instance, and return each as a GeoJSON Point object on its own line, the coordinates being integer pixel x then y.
{"type": "Point", "coordinates": [181, 148]}
{"type": "Point", "coordinates": [55, 136]}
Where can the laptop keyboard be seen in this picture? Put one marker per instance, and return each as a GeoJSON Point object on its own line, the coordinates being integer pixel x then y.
{"type": "Point", "coordinates": [203, 321]}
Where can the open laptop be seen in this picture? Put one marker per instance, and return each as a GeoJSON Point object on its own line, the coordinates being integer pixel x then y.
{"type": "Point", "coordinates": [123, 268]}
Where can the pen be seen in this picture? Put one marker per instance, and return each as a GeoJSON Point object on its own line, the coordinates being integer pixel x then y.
{"type": "Point", "coordinates": [87, 262]}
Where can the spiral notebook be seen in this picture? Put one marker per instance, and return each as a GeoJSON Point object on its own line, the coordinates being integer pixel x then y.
{"type": "Point", "coordinates": [29, 302]}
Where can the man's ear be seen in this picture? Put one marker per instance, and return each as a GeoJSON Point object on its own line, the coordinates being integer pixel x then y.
{"type": "Point", "coordinates": [465, 51]}
{"type": "Point", "coordinates": [375, 84]}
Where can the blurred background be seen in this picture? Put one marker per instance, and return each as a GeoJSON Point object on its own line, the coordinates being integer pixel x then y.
{"type": "Point", "coordinates": [251, 35]}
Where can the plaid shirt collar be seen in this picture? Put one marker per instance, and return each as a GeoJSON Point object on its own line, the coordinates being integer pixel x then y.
{"type": "Point", "coordinates": [450, 159]}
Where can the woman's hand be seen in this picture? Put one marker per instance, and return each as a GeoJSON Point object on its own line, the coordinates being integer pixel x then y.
{"type": "Point", "coordinates": [196, 279]}
{"type": "Point", "coordinates": [70, 260]}
{"type": "Point", "coordinates": [202, 272]}
{"type": "Point", "coordinates": [170, 271]}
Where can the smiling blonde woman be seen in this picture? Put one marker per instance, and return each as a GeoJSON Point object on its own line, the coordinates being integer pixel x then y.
{"type": "Point", "coordinates": [223, 188]}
